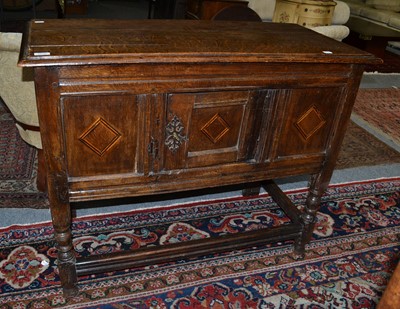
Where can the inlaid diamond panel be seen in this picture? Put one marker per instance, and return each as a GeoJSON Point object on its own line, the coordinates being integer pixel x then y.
{"type": "Point", "coordinates": [215, 128]}
{"type": "Point", "coordinates": [100, 136]}
{"type": "Point", "coordinates": [310, 122]}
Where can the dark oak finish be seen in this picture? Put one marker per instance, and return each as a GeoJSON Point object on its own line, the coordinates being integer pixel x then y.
{"type": "Point", "coordinates": [132, 108]}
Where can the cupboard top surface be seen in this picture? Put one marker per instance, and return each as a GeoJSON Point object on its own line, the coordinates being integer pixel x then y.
{"type": "Point", "coordinates": [86, 41]}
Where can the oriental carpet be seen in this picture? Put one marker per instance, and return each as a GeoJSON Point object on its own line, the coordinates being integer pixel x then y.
{"type": "Point", "coordinates": [380, 110]}
{"type": "Point", "coordinates": [353, 252]}
{"type": "Point", "coordinates": [18, 167]}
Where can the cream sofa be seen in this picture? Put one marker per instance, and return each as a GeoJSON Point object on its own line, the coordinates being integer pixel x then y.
{"type": "Point", "coordinates": [17, 89]}
{"type": "Point", "coordinates": [374, 18]}
{"type": "Point", "coordinates": [18, 93]}
{"type": "Point", "coordinates": [338, 31]}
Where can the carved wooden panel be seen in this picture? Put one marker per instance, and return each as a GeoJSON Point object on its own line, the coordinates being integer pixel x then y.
{"type": "Point", "coordinates": [206, 128]}
{"type": "Point", "coordinates": [99, 141]}
{"type": "Point", "coordinates": [307, 121]}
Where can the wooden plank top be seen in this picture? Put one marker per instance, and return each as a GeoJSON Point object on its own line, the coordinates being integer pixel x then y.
{"type": "Point", "coordinates": [92, 41]}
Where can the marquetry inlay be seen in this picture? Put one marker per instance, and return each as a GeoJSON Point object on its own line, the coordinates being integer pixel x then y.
{"type": "Point", "coordinates": [310, 122]}
{"type": "Point", "coordinates": [215, 128]}
{"type": "Point", "coordinates": [100, 136]}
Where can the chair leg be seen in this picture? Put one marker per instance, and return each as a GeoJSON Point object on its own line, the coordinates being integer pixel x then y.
{"type": "Point", "coordinates": [41, 180]}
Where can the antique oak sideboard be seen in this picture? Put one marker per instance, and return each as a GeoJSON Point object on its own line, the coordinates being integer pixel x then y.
{"type": "Point", "coordinates": [133, 108]}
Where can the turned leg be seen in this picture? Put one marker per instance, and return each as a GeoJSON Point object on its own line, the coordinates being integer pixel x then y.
{"type": "Point", "coordinates": [61, 216]}
{"type": "Point", "coordinates": [308, 217]}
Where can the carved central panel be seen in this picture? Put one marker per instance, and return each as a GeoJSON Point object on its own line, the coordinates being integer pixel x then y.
{"type": "Point", "coordinates": [215, 128]}
{"type": "Point", "coordinates": [100, 136]}
{"type": "Point", "coordinates": [310, 122]}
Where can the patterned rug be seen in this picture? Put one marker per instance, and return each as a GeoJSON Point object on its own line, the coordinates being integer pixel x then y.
{"type": "Point", "coordinates": [18, 168]}
{"type": "Point", "coordinates": [361, 148]}
{"type": "Point", "coordinates": [380, 109]}
{"type": "Point", "coordinates": [354, 250]}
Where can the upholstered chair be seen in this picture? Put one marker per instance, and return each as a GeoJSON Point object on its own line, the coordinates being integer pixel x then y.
{"type": "Point", "coordinates": [337, 30]}
{"type": "Point", "coordinates": [18, 93]}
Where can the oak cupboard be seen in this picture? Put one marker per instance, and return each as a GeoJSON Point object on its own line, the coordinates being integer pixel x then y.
{"type": "Point", "coordinates": [135, 108]}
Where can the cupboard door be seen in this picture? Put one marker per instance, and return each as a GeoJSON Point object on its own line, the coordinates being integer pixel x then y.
{"type": "Point", "coordinates": [307, 123]}
{"type": "Point", "coordinates": [101, 134]}
{"type": "Point", "coordinates": [204, 129]}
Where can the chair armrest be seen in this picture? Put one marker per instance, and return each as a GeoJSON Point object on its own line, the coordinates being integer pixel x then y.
{"type": "Point", "coordinates": [10, 41]}
{"type": "Point", "coordinates": [341, 14]}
